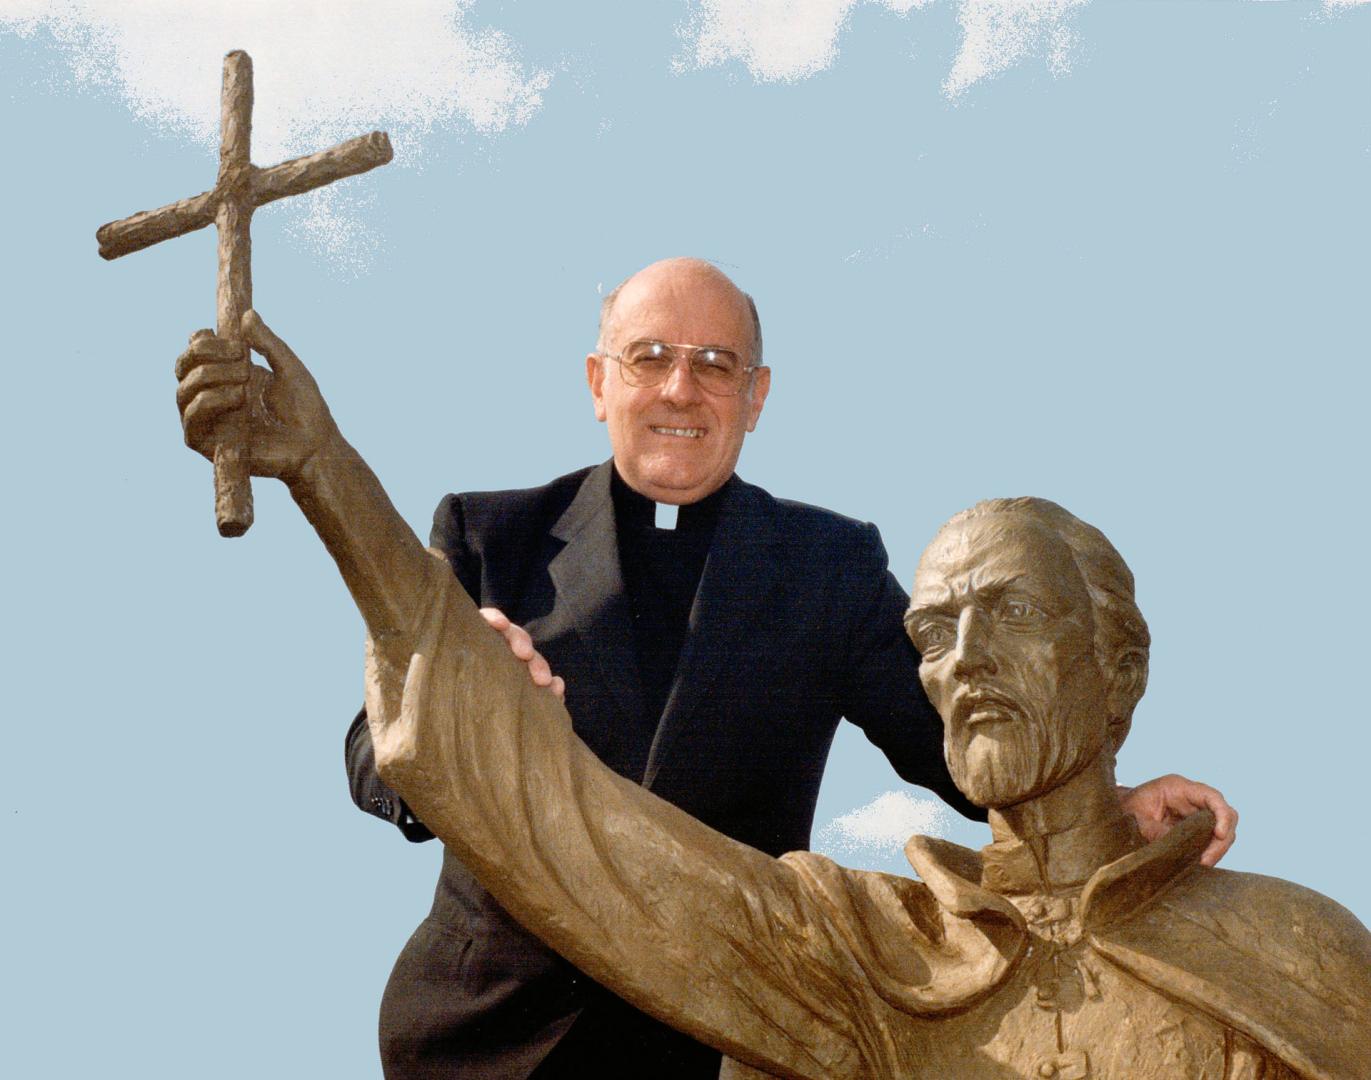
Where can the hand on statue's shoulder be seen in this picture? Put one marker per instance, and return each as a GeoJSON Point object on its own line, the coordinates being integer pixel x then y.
{"type": "Point", "coordinates": [1158, 805]}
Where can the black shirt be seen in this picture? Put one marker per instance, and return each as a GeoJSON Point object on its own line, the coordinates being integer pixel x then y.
{"type": "Point", "coordinates": [662, 570]}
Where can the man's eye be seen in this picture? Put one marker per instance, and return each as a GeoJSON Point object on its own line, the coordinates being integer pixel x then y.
{"type": "Point", "coordinates": [717, 360]}
{"type": "Point", "coordinates": [648, 364]}
{"type": "Point", "coordinates": [640, 352]}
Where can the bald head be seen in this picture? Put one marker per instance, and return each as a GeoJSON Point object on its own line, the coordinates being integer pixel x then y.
{"type": "Point", "coordinates": [684, 283]}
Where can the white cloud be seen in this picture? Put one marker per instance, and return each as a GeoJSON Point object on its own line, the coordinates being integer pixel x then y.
{"type": "Point", "coordinates": [997, 34]}
{"type": "Point", "coordinates": [882, 826]}
{"type": "Point", "coordinates": [322, 72]}
{"type": "Point", "coordinates": [776, 39]}
{"type": "Point", "coordinates": [785, 40]}
{"type": "Point", "coordinates": [788, 40]}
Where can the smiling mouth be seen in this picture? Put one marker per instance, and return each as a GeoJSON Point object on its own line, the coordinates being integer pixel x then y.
{"type": "Point", "coordinates": [679, 432]}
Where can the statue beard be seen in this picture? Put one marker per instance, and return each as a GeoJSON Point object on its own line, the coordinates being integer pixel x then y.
{"type": "Point", "coordinates": [1032, 750]}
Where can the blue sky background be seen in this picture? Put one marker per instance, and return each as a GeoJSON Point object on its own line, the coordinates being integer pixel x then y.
{"type": "Point", "coordinates": [1109, 253]}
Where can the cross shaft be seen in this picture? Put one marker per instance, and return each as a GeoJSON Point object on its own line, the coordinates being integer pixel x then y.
{"type": "Point", "coordinates": [240, 188]}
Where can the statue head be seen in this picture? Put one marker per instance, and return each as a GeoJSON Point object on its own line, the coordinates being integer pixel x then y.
{"type": "Point", "coordinates": [676, 377]}
{"type": "Point", "coordinates": [1033, 650]}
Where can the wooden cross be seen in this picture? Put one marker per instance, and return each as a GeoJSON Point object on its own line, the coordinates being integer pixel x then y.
{"type": "Point", "coordinates": [240, 188]}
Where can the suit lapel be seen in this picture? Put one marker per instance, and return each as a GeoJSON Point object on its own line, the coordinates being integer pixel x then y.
{"type": "Point", "coordinates": [590, 586]}
{"type": "Point", "coordinates": [739, 576]}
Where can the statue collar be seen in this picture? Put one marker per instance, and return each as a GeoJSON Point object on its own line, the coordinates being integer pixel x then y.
{"type": "Point", "coordinates": [968, 883]}
{"type": "Point", "coordinates": [1015, 867]}
{"type": "Point", "coordinates": [944, 944]}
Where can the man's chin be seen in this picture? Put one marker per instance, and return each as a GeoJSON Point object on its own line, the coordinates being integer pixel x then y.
{"type": "Point", "coordinates": [670, 483]}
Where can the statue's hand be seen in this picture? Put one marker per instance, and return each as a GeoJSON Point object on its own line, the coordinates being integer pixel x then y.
{"type": "Point", "coordinates": [288, 421]}
{"type": "Point", "coordinates": [521, 645]}
{"type": "Point", "coordinates": [1159, 804]}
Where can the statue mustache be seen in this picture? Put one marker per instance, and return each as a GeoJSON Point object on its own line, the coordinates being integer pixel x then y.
{"type": "Point", "coordinates": [970, 700]}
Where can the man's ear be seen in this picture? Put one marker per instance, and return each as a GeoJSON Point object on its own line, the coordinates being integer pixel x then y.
{"type": "Point", "coordinates": [1127, 681]}
{"type": "Point", "coordinates": [761, 386]}
{"type": "Point", "coordinates": [595, 379]}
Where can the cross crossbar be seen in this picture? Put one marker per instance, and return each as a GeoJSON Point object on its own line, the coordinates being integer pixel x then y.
{"type": "Point", "coordinates": [293, 177]}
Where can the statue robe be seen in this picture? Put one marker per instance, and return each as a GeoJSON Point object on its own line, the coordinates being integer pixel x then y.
{"type": "Point", "coordinates": [1156, 968]}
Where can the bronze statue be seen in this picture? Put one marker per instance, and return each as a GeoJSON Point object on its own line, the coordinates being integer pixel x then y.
{"type": "Point", "coordinates": [1067, 948]}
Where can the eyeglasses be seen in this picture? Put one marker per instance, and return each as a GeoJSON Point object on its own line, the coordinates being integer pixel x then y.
{"type": "Point", "coordinates": [718, 371]}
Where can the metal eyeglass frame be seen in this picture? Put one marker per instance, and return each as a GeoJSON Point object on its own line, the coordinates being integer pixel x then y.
{"type": "Point", "coordinates": [677, 348]}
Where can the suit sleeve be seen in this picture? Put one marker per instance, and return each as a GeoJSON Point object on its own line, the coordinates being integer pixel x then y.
{"type": "Point", "coordinates": [882, 693]}
{"type": "Point", "coordinates": [369, 792]}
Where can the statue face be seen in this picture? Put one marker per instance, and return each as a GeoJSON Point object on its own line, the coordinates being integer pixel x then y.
{"type": "Point", "coordinates": [1003, 621]}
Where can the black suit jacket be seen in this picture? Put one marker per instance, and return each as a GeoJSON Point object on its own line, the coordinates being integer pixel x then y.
{"type": "Point", "coordinates": [796, 624]}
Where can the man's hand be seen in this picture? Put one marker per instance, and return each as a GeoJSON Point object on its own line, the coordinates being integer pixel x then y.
{"type": "Point", "coordinates": [288, 422]}
{"type": "Point", "coordinates": [1159, 804]}
{"type": "Point", "coordinates": [521, 645]}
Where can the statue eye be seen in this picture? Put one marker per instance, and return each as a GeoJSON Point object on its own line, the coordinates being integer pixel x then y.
{"type": "Point", "coordinates": [1022, 614]}
{"type": "Point", "coordinates": [933, 636]}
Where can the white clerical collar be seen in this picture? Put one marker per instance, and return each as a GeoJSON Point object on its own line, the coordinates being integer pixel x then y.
{"type": "Point", "coordinates": [665, 515]}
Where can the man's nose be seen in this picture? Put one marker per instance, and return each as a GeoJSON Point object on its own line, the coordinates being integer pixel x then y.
{"type": "Point", "coordinates": [972, 653]}
{"type": "Point", "coordinates": [680, 386]}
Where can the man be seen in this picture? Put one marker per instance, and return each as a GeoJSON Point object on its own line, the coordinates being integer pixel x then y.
{"type": "Point", "coordinates": [659, 634]}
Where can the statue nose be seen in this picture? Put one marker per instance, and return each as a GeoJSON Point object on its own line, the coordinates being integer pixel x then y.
{"type": "Point", "coordinates": [972, 653]}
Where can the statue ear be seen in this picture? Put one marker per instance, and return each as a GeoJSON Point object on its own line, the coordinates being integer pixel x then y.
{"type": "Point", "coordinates": [1127, 681]}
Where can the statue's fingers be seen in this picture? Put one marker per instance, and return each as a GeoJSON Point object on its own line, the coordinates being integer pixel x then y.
{"type": "Point", "coordinates": [207, 376]}
{"type": "Point", "coordinates": [206, 409]}
{"type": "Point", "coordinates": [204, 348]}
{"type": "Point", "coordinates": [278, 354]}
